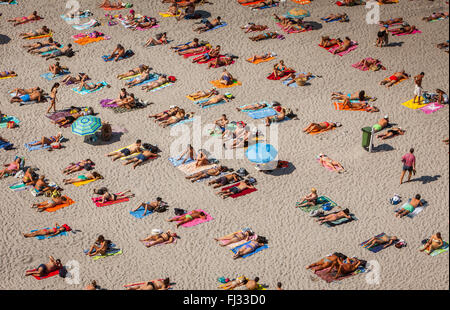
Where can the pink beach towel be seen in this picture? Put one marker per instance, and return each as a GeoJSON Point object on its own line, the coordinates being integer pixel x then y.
{"type": "Point", "coordinates": [351, 48]}
{"type": "Point", "coordinates": [196, 222]}
{"type": "Point", "coordinates": [405, 34]}
{"type": "Point", "coordinates": [329, 168]}
{"type": "Point", "coordinates": [97, 202]}
{"type": "Point", "coordinates": [293, 31]}
{"type": "Point", "coordinates": [152, 27]}
{"type": "Point", "coordinates": [432, 107]}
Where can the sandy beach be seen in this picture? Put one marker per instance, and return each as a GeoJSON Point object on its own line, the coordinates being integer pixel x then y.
{"type": "Point", "coordinates": [196, 261]}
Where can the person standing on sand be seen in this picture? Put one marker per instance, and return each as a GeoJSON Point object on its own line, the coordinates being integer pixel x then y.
{"type": "Point", "coordinates": [409, 164]}
{"type": "Point", "coordinates": [53, 93]}
{"type": "Point", "coordinates": [418, 87]}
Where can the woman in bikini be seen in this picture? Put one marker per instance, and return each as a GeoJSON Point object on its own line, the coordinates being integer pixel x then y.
{"type": "Point", "coordinates": [334, 216]}
{"type": "Point", "coordinates": [392, 21]}
{"type": "Point", "coordinates": [250, 247]}
{"type": "Point", "coordinates": [152, 240]}
{"type": "Point", "coordinates": [404, 29]}
{"type": "Point", "coordinates": [314, 127]}
{"type": "Point", "coordinates": [203, 94]}
{"type": "Point", "coordinates": [106, 196]}
{"type": "Point", "coordinates": [261, 57]}
{"type": "Point", "coordinates": [231, 285]}
{"type": "Point", "coordinates": [434, 243]}
{"type": "Point", "coordinates": [180, 115]}
{"type": "Point", "coordinates": [91, 86]}
{"type": "Point", "coordinates": [213, 53]}
{"type": "Point", "coordinates": [159, 117]}
{"type": "Point", "coordinates": [142, 78]}
{"type": "Point", "coordinates": [332, 164]}
{"type": "Point", "coordinates": [48, 141]}
{"type": "Point", "coordinates": [186, 218]}
{"type": "Point", "coordinates": [152, 206]}
{"type": "Point", "coordinates": [213, 172]}
{"type": "Point", "coordinates": [41, 185]}
{"type": "Point", "coordinates": [99, 247]}
{"type": "Point", "coordinates": [29, 178]}
{"type": "Point", "coordinates": [220, 62]}
{"type": "Point", "coordinates": [327, 42]}
{"type": "Point", "coordinates": [4, 74]}
{"type": "Point", "coordinates": [346, 44]}
{"type": "Point", "coordinates": [48, 232]}
{"type": "Point", "coordinates": [106, 4]}
{"type": "Point", "coordinates": [11, 168]}
{"type": "Point", "coordinates": [195, 50]}
{"type": "Point", "coordinates": [309, 200]}
{"type": "Point", "coordinates": [195, 43]}
{"type": "Point", "coordinates": [40, 32]}
{"type": "Point", "coordinates": [75, 80]}
{"type": "Point", "coordinates": [163, 79]}
{"type": "Point", "coordinates": [133, 72]}
{"type": "Point", "coordinates": [56, 199]}
{"type": "Point", "coordinates": [280, 69]}
{"type": "Point", "coordinates": [160, 39]}
{"type": "Point", "coordinates": [327, 262]}
{"type": "Point", "coordinates": [75, 167]}
{"type": "Point", "coordinates": [161, 284]}
{"type": "Point", "coordinates": [84, 177]}
{"type": "Point", "coordinates": [252, 107]}
{"type": "Point", "coordinates": [242, 235]}
{"type": "Point", "coordinates": [251, 27]}
{"type": "Point", "coordinates": [393, 132]}
{"type": "Point", "coordinates": [376, 241]}
{"type": "Point", "coordinates": [202, 159]}
{"type": "Point", "coordinates": [265, 36]}
{"type": "Point", "coordinates": [25, 19]}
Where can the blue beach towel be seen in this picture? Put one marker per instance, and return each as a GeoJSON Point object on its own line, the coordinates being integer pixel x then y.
{"type": "Point", "coordinates": [295, 84]}
{"type": "Point", "coordinates": [84, 91]}
{"type": "Point", "coordinates": [128, 54]}
{"type": "Point", "coordinates": [64, 233]}
{"type": "Point", "coordinates": [50, 77]}
{"type": "Point", "coordinates": [234, 250]}
{"type": "Point", "coordinates": [186, 120]}
{"type": "Point", "coordinates": [208, 106]}
{"type": "Point", "coordinates": [153, 77]}
{"type": "Point", "coordinates": [218, 26]}
{"type": "Point", "coordinates": [139, 213]}
{"type": "Point", "coordinates": [36, 147]}
{"type": "Point", "coordinates": [177, 163]}
{"type": "Point", "coordinates": [14, 2]}
{"type": "Point", "coordinates": [262, 113]}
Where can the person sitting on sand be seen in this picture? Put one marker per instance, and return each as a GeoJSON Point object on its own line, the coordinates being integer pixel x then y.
{"type": "Point", "coordinates": [128, 102]}
{"type": "Point", "coordinates": [99, 247]}
{"type": "Point", "coordinates": [250, 247]}
{"type": "Point", "coordinates": [41, 186]}
{"type": "Point", "coordinates": [261, 57]}
{"type": "Point", "coordinates": [145, 75]}
{"type": "Point", "coordinates": [75, 167]}
{"type": "Point", "coordinates": [150, 207]}
{"type": "Point", "coordinates": [152, 240]}
{"type": "Point", "coordinates": [314, 127]}
{"type": "Point", "coordinates": [376, 241]}
{"type": "Point", "coordinates": [57, 69]}
{"type": "Point", "coordinates": [394, 78]}
{"type": "Point", "coordinates": [194, 44]}
{"type": "Point", "coordinates": [211, 54]}
{"type": "Point", "coordinates": [29, 177]}
{"type": "Point", "coordinates": [118, 52]}
{"type": "Point", "coordinates": [60, 51]}
{"type": "Point", "coordinates": [327, 42]}
{"type": "Point", "coordinates": [251, 27]}
{"type": "Point", "coordinates": [48, 232]}
{"type": "Point", "coordinates": [346, 44]}
{"type": "Point", "coordinates": [221, 62]}
{"type": "Point", "coordinates": [224, 180]}
{"type": "Point", "coordinates": [242, 235]}
{"type": "Point", "coordinates": [163, 79]}
{"type": "Point", "coordinates": [442, 97]}
{"type": "Point", "coordinates": [231, 285]}
{"type": "Point", "coordinates": [22, 20]}
{"type": "Point", "coordinates": [309, 200]}
{"type": "Point", "coordinates": [209, 25]}
{"type": "Point", "coordinates": [189, 12]}
{"type": "Point", "coordinates": [190, 154]}
{"type": "Point", "coordinates": [186, 218]}
{"type": "Point", "coordinates": [329, 163]}
{"type": "Point", "coordinates": [162, 284]}
{"type": "Point", "coordinates": [243, 185]}
{"type": "Point", "coordinates": [83, 177]}
{"type": "Point", "coordinates": [11, 168]}
{"type": "Point", "coordinates": [40, 32]}
{"type": "Point", "coordinates": [393, 132]}
{"type": "Point", "coordinates": [334, 216]}
{"type": "Point", "coordinates": [409, 207]}
{"type": "Point", "coordinates": [346, 266]}
{"type": "Point", "coordinates": [435, 16]}
{"type": "Point", "coordinates": [252, 107]}
{"type": "Point", "coordinates": [327, 262]}
{"type": "Point", "coordinates": [434, 243]}
{"type": "Point", "coordinates": [341, 17]}
{"type": "Point", "coordinates": [56, 199]}
{"type": "Point", "coordinates": [203, 94]}
{"type": "Point", "coordinates": [265, 36]}
{"type": "Point", "coordinates": [226, 78]}
{"type": "Point", "coordinates": [280, 69]}
{"type": "Point", "coordinates": [75, 80]}
{"type": "Point", "coordinates": [48, 141]}
{"type": "Point", "coordinates": [280, 116]}
{"type": "Point", "coordinates": [140, 158]}
{"type": "Point", "coordinates": [160, 39]}
{"type": "Point", "coordinates": [36, 95]}
{"type": "Point", "coordinates": [92, 286]}
{"type": "Point", "coordinates": [202, 159]}
{"type": "Point", "coordinates": [139, 70]}
{"type": "Point", "coordinates": [221, 123]}
{"type": "Point", "coordinates": [212, 172]}
{"type": "Point", "coordinates": [4, 74]}
{"type": "Point", "coordinates": [216, 99]}
{"type": "Point", "coordinates": [45, 269]}
{"type": "Point", "coordinates": [134, 148]}
{"type": "Point", "coordinates": [404, 29]}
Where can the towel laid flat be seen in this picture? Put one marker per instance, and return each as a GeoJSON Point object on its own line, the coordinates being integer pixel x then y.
{"type": "Point", "coordinates": [4, 121]}
{"type": "Point", "coordinates": [340, 107]}
{"type": "Point", "coordinates": [431, 108]}
{"type": "Point", "coordinates": [329, 277]}
{"type": "Point", "coordinates": [99, 204]}
{"type": "Point", "coordinates": [259, 249]}
{"type": "Point", "coordinates": [198, 221]}
{"type": "Point", "coordinates": [409, 104]}
{"type": "Point", "coordinates": [405, 34]}
{"type": "Point", "coordinates": [190, 168]}
{"type": "Point", "coordinates": [321, 131]}
{"type": "Point", "coordinates": [89, 91]}
{"type": "Point", "coordinates": [48, 275]}
{"type": "Point", "coordinates": [81, 183]}
{"type": "Point", "coordinates": [87, 40]}
{"type": "Point", "coordinates": [258, 61]}
{"type": "Point", "coordinates": [175, 162]}
{"type": "Point", "coordinates": [36, 147]}
{"type": "Point", "coordinates": [340, 221]}
{"type": "Point", "coordinates": [40, 36]}
{"type": "Point", "coordinates": [223, 24]}
{"type": "Point", "coordinates": [217, 84]}
{"type": "Point", "coordinates": [66, 204]}
{"type": "Point", "coordinates": [242, 193]}
{"type": "Point", "coordinates": [50, 77]}
{"type": "Point", "coordinates": [64, 233]}
{"type": "Point", "coordinates": [353, 47]}
{"type": "Point", "coordinates": [262, 113]}
{"type": "Point", "coordinates": [139, 213]}
{"type": "Point", "coordinates": [90, 24]}
{"type": "Point", "coordinates": [377, 248]}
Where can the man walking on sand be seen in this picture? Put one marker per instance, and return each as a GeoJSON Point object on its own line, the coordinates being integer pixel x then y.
{"type": "Point", "coordinates": [409, 164]}
{"type": "Point", "coordinates": [418, 87]}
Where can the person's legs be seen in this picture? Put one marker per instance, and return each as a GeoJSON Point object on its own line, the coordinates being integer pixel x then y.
{"type": "Point", "coordinates": [402, 176]}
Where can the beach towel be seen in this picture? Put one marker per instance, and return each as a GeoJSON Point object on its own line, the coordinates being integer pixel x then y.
{"type": "Point", "coordinates": [184, 121]}
{"type": "Point", "coordinates": [99, 204]}
{"type": "Point", "coordinates": [272, 75]}
{"type": "Point", "coordinates": [7, 77]}
{"type": "Point", "coordinates": [259, 249]}
{"type": "Point", "coordinates": [197, 221]}
{"type": "Point", "coordinates": [217, 84]}
{"type": "Point", "coordinates": [90, 24]}
{"type": "Point", "coordinates": [242, 193]}
{"type": "Point", "coordinates": [285, 82]}
{"type": "Point", "coordinates": [258, 61]}
{"type": "Point", "coordinates": [431, 108]}
{"type": "Point", "coordinates": [262, 113]}
{"type": "Point", "coordinates": [161, 86]}
{"type": "Point", "coordinates": [87, 40]}
{"type": "Point", "coordinates": [58, 115]}
{"type": "Point", "coordinates": [416, 210]}
{"type": "Point", "coordinates": [341, 221]}
{"type": "Point", "coordinates": [223, 24]}
{"type": "Point", "coordinates": [329, 47]}
{"type": "Point", "coordinates": [139, 213]}
{"type": "Point", "coordinates": [208, 106]}
{"type": "Point", "coordinates": [81, 183]}
{"type": "Point", "coordinates": [175, 162]}
{"type": "Point", "coordinates": [190, 168]}
{"type": "Point", "coordinates": [89, 91]}
{"type": "Point", "coordinates": [409, 104]}
{"type": "Point", "coordinates": [57, 207]}
{"type": "Point", "coordinates": [340, 107]}
{"type": "Point", "coordinates": [50, 77]}
{"type": "Point", "coordinates": [251, 3]}
{"type": "Point", "coordinates": [377, 248]}
{"type": "Point", "coordinates": [126, 5]}
{"type": "Point", "coordinates": [294, 30]}
{"type": "Point", "coordinates": [36, 147]}
{"type": "Point", "coordinates": [5, 145]}
{"type": "Point", "coordinates": [442, 249]}
{"type": "Point", "coordinates": [329, 277]}
{"type": "Point", "coordinates": [321, 202]}
{"type": "Point", "coordinates": [405, 34]}
{"type": "Point", "coordinates": [266, 6]}
{"type": "Point", "coordinates": [128, 54]}
{"type": "Point", "coordinates": [48, 275]}
{"type": "Point", "coordinates": [64, 233]}
{"type": "Point", "coordinates": [4, 121]}
{"type": "Point", "coordinates": [19, 186]}
{"type": "Point", "coordinates": [167, 14]}
{"type": "Point", "coordinates": [302, 1]}
{"type": "Point", "coordinates": [321, 131]}
{"type": "Point", "coordinates": [353, 47]}
{"type": "Point", "coordinates": [40, 36]}
{"type": "Point", "coordinates": [328, 20]}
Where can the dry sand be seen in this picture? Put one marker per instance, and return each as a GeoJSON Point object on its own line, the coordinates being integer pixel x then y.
{"type": "Point", "coordinates": [295, 240]}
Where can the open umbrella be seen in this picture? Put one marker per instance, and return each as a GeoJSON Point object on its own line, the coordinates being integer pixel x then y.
{"type": "Point", "coordinates": [261, 153]}
{"type": "Point", "coordinates": [298, 13]}
{"type": "Point", "coordinates": [86, 125]}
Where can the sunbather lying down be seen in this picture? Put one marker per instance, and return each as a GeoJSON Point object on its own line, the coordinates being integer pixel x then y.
{"type": "Point", "coordinates": [160, 39]}
{"type": "Point", "coordinates": [48, 141]}
{"type": "Point", "coordinates": [209, 25]}
{"type": "Point", "coordinates": [179, 115]}
{"type": "Point", "coordinates": [241, 235]}
{"type": "Point", "coordinates": [314, 127]}
{"type": "Point", "coordinates": [109, 4]}
{"type": "Point", "coordinates": [265, 36]}
{"type": "Point", "coordinates": [74, 167]}
{"type": "Point", "coordinates": [145, 75]}
{"type": "Point", "coordinates": [393, 132]}
{"type": "Point", "coordinates": [262, 57]}
{"type": "Point", "coordinates": [48, 232]}
{"type": "Point", "coordinates": [409, 207]}
{"type": "Point", "coordinates": [327, 262]}
{"type": "Point", "coordinates": [216, 99]}
{"type": "Point", "coordinates": [203, 94]}
{"type": "Point", "coordinates": [84, 177]}
{"type": "Point", "coordinates": [138, 70]}
{"type": "Point", "coordinates": [186, 218]}
{"type": "Point", "coordinates": [140, 158]}
{"type": "Point", "coordinates": [344, 265]}
{"type": "Point", "coordinates": [72, 117]}
{"type": "Point", "coordinates": [193, 44]}
{"type": "Point", "coordinates": [75, 79]}
{"type": "Point", "coordinates": [329, 163]}
{"type": "Point", "coordinates": [56, 199]}
{"type": "Point", "coordinates": [225, 180]}
{"type": "Point", "coordinates": [334, 216]}
{"type": "Point", "coordinates": [341, 17]}
{"type": "Point", "coordinates": [213, 172]}
{"type": "Point", "coordinates": [7, 74]}
{"type": "Point", "coordinates": [370, 64]}
{"type": "Point", "coordinates": [40, 32]}
{"type": "Point", "coordinates": [35, 95]}
{"type": "Point", "coordinates": [361, 96]}
{"type": "Point", "coordinates": [106, 196]}
{"type": "Point", "coordinates": [162, 284]}
{"type": "Point", "coordinates": [243, 185]}
{"type": "Point", "coordinates": [252, 107]}
{"type": "Point", "coordinates": [25, 19]}
{"type": "Point", "coordinates": [251, 27]}
{"type": "Point", "coordinates": [435, 16]}
{"type": "Point", "coordinates": [434, 243]}
{"type": "Point", "coordinates": [250, 247]}
{"type": "Point", "coordinates": [152, 240]}
{"type": "Point", "coordinates": [299, 78]}
{"type": "Point", "coordinates": [404, 29]}
{"type": "Point", "coordinates": [394, 78]}
{"type": "Point", "coordinates": [343, 45]}
{"type": "Point", "coordinates": [44, 269]}
{"type": "Point", "coordinates": [163, 79]}
{"type": "Point", "coordinates": [384, 240]}
{"type": "Point", "coordinates": [134, 148]}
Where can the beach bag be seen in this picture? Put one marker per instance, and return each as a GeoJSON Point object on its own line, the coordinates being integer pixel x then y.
{"type": "Point", "coordinates": [63, 272]}
{"type": "Point", "coordinates": [242, 172]}
{"type": "Point", "coordinates": [162, 208]}
{"type": "Point", "coordinates": [179, 211]}
{"type": "Point", "coordinates": [252, 180]}
{"type": "Point", "coordinates": [395, 200]}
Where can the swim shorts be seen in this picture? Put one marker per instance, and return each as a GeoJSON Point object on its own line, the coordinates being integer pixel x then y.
{"type": "Point", "coordinates": [418, 90]}
{"type": "Point", "coordinates": [141, 157]}
{"type": "Point", "coordinates": [407, 168]}
{"type": "Point", "coordinates": [125, 152]}
{"type": "Point", "coordinates": [235, 190]}
{"type": "Point", "coordinates": [25, 98]}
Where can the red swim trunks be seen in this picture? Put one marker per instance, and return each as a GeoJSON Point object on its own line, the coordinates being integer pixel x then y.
{"type": "Point", "coordinates": [393, 78]}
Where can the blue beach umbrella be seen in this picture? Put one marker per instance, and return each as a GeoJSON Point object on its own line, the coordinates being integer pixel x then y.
{"type": "Point", "coordinates": [86, 125]}
{"type": "Point", "coordinates": [261, 153]}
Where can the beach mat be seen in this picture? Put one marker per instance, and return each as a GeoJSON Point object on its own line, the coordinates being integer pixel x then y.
{"type": "Point", "coordinates": [410, 105]}
{"type": "Point", "coordinates": [175, 162]}
{"type": "Point", "coordinates": [416, 210]}
{"type": "Point", "coordinates": [321, 131]}
{"type": "Point", "coordinates": [262, 113]}
{"type": "Point", "coordinates": [85, 91]}
{"type": "Point", "coordinates": [4, 121]}
{"type": "Point", "coordinates": [81, 183]}
{"type": "Point", "coordinates": [139, 213]}
{"type": "Point", "coordinates": [405, 34]}
{"type": "Point", "coordinates": [431, 108]}
{"type": "Point", "coordinates": [36, 147]}
{"type": "Point", "coordinates": [48, 275]}
{"type": "Point", "coordinates": [443, 249]}
{"type": "Point", "coordinates": [99, 204]}
{"type": "Point", "coordinates": [321, 201]}
{"type": "Point", "coordinates": [273, 78]}
{"type": "Point", "coordinates": [55, 208]}
{"type": "Point", "coordinates": [217, 84]}
{"type": "Point", "coordinates": [190, 168]}
{"type": "Point", "coordinates": [64, 233]}
{"type": "Point", "coordinates": [259, 249]}
{"type": "Point", "coordinates": [340, 107]}
{"type": "Point", "coordinates": [353, 47]}
{"type": "Point", "coordinates": [329, 277]}
{"type": "Point", "coordinates": [377, 248]}
{"type": "Point", "coordinates": [19, 186]}
{"type": "Point", "coordinates": [40, 37]}
{"type": "Point", "coordinates": [50, 77]}
{"type": "Point", "coordinates": [88, 40]}
{"type": "Point", "coordinates": [198, 221]}
{"type": "Point", "coordinates": [243, 193]}
{"type": "Point", "coordinates": [258, 61]}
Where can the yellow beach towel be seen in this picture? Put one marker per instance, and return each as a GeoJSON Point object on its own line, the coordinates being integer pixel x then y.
{"type": "Point", "coordinates": [414, 106]}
